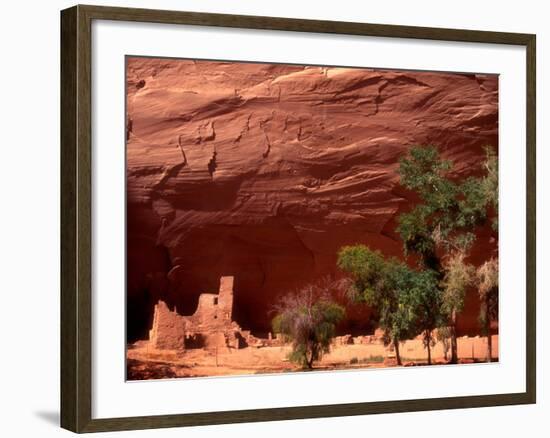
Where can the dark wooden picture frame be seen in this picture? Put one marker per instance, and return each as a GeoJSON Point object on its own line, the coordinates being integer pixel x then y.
{"type": "Point", "coordinates": [76, 218]}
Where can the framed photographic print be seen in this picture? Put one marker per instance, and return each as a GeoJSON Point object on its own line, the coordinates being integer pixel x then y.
{"type": "Point", "coordinates": [270, 218]}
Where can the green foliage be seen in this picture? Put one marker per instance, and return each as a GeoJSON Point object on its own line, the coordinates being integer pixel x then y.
{"type": "Point", "coordinates": [439, 230]}
{"type": "Point", "coordinates": [418, 302]}
{"type": "Point", "coordinates": [367, 268]}
{"type": "Point", "coordinates": [308, 319]}
{"type": "Point", "coordinates": [448, 211]}
{"type": "Point", "coordinates": [405, 300]}
{"type": "Point", "coordinates": [425, 298]}
{"type": "Point", "coordinates": [471, 205]}
{"type": "Point", "coordinates": [416, 232]}
{"type": "Point", "coordinates": [425, 173]}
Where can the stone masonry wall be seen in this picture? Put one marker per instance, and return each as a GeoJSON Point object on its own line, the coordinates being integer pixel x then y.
{"type": "Point", "coordinates": [168, 331]}
{"type": "Point", "coordinates": [211, 325]}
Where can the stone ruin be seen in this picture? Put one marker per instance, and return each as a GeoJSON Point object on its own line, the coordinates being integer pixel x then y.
{"type": "Point", "coordinates": [376, 338]}
{"type": "Point", "coordinates": [210, 327]}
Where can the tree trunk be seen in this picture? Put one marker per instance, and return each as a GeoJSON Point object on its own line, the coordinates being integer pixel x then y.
{"type": "Point", "coordinates": [428, 345]}
{"type": "Point", "coordinates": [454, 345]}
{"type": "Point", "coordinates": [309, 361]}
{"type": "Point", "coordinates": [489, 339]}
{"type": "Point", "coordinates": [397, 355]}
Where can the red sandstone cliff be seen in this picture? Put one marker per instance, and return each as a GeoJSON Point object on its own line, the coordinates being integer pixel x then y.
{"type": "Point", "coordinates": [264, 171]}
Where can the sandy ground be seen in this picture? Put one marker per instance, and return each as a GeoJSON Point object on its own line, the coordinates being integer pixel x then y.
{"type": "Point", "coordinates": [147, 363]}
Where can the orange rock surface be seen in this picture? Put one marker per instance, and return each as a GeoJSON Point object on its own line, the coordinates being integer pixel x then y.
{"type": "Point", "coordinates": [264, 171]}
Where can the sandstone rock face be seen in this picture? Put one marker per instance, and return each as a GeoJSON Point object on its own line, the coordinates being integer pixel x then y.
{"type": "Point", "coordinates": [264, 171]}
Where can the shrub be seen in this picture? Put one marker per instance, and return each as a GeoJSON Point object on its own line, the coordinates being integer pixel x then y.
{"type": "Point", "coordinates": [307, 319]}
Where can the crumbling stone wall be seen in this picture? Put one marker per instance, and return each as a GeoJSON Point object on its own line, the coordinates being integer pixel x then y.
{"type": "Point", "coordinates": [211, 326]}
{"type": "Point", "coordinates": [168, 329]}
{"type": "Point", "coordinates": [225, 300]}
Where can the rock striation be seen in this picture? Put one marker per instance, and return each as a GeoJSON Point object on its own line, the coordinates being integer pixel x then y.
{"type": "Point", "coordinates": [266, 170]}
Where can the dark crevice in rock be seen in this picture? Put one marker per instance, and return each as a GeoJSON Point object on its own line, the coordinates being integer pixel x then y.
{"type": "Point", "coordinates": [212, 164]}
{"type": "Point", "coordinates": [245, 129]}
{"type": "Point", "coordinates": [184, 157]}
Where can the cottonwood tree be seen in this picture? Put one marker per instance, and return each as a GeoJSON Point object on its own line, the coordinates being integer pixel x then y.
{"type": "Point", "coordinates": [487, 283]}
{"type": "Point", "coordinates": [424, 299]}
{"type": "Point", "coordinates": [308, 319]}
{"type": "Point", "coordinates": [438, 232]}
{"type": "Point", "coordinates": [446, 215]}
{"type": "Point", "coordinates": [458, 277]}
{"type": "Point", "coordinates": [405, 301]}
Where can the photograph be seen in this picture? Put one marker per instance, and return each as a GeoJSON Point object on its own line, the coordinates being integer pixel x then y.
{"type": "Point", "coordinates": [289, 218]}
{"type": "Point", "coordinates": [254, 219]}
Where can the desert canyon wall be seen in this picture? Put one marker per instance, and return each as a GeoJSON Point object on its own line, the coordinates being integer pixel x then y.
{"type": "Point", "coordinates": [264, 171]}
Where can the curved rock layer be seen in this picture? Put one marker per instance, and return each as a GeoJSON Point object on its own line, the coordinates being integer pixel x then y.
{"type": "Point", "coordinates": [264, 171]}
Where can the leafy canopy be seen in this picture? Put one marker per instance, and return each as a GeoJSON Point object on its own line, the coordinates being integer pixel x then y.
{"type": "Point", "coordinates": [448, 211]}
{"type": "Point", "coordinates": [405, 300]}
{"type": "Point", "coordinates": [439, 230]}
